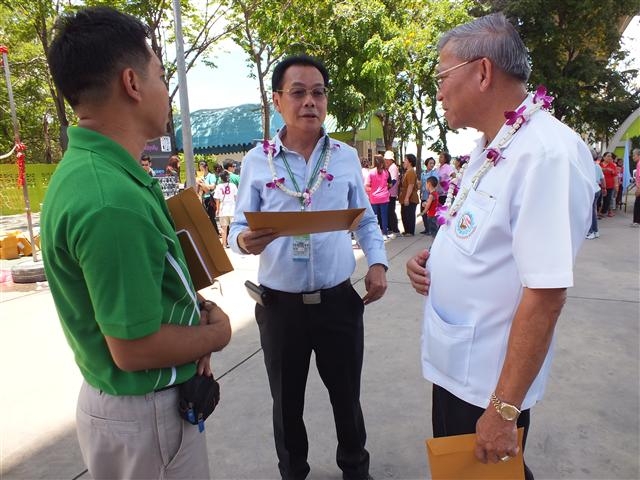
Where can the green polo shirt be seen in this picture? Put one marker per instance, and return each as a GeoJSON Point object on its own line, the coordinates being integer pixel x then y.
{"type": "Point", "coordinates": [113, 261]}
{"type": "Point", "coordinates": [234, 178]}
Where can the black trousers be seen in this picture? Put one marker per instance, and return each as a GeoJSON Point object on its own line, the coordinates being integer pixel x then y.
{"type": "Point", "coordinates": [453, 416]}
{"type": "Point", "coordinates": [408, 214]}
{"type": "Point", "coordinates": [333, 329]}
{"type": "Point", "coordinates": [636, 209]}
{"type": "Point", "coordinates": [209, 205]}
{"type": "Point", "coordinates": [392, 216]}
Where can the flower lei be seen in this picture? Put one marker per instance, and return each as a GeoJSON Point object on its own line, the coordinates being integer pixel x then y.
{"type": "Point", "coordinates": [320, 174]}
{"type": "Point", "coordinates": [514, 119]}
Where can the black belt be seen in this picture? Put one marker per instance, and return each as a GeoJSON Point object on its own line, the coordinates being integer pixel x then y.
{"type": "Point", "coordinates": [311, 298]}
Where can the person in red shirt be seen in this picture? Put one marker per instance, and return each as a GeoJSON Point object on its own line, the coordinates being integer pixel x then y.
{"type": "Point", "coordinates": [610, 171]}
{"type": "Point", "coordinates": [429, 206]}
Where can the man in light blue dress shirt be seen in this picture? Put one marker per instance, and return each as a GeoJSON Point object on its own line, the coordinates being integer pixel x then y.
{"type": "Point", "coordinates": [312, 306]}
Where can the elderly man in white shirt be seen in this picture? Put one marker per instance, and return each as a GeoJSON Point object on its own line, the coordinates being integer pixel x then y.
{"type": "Point", "coordinates": [498, 270]}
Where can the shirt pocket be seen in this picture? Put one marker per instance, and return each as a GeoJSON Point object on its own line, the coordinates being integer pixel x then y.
{"type": "Point", "coordinates": [469, 226]}
{"type": "Point", "coordinates": [447, 347]}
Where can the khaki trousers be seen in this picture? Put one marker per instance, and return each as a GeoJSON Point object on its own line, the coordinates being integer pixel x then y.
{"type": "Point", "coordinates": [140, 436]}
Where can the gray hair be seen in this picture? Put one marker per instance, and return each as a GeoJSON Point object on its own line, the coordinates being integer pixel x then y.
{"type": "Point", "coordinates": [491, 36]}
{"type": "Point", "coordinates": [635, 151]}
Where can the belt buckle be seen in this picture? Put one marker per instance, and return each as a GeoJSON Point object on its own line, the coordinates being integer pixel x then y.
{"type": "Point", "coordinates": [312, 298]}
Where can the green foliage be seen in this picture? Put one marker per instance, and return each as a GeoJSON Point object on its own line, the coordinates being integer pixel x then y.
{"type": "Point", "coordinates": [411, 103]}
{"type": "Point", "coordinates": [575, 49]}
{"type": "Point", "coordinates": [267, 30]}
{"type": "Point", "coordinates": [354, 50]}
{"type": "Point", "coordinates": [20, 27]}
{"type": "Point", "coordinates": [26, 27]}
{"type": "Point", "coordinates": [381, 56]}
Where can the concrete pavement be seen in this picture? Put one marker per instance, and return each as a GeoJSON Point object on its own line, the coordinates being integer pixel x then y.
{"type": "Point", "coordinates": [587, 426]}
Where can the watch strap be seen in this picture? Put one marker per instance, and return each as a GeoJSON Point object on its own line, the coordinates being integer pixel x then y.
{"type": "Point", "coordinates": [499, 404]}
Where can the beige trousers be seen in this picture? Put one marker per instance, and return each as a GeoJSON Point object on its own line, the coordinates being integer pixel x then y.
{"type": "Point", "coordinates": [137, 437]}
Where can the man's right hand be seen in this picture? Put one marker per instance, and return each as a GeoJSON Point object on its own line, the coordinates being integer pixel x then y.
{"type": "Point", "coordinates": [255, 241]}
{"type": "Point", "coordinates": [418, 274]}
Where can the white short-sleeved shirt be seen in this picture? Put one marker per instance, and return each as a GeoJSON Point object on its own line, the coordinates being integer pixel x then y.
{"type": "Point", "coordinates": [227, 194]}
{"type": "Point", "coordinates": [521, 227]}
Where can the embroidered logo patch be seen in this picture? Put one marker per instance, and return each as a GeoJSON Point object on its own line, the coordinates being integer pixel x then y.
{"type": "Point", "coordinates": [466, 225]}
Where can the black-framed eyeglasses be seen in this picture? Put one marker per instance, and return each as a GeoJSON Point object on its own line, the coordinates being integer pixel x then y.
{"type": "Point", "coordinates": [299, 93]}
{"type": "Point", "coordinates": [440, 76]}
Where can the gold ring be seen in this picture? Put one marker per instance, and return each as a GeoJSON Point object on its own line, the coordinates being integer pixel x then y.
{"type": "Point", "coordinates": [506, 458]}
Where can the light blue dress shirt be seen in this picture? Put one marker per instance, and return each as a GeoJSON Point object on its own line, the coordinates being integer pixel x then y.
{"type": "Point", "coordinates": [331, 255]}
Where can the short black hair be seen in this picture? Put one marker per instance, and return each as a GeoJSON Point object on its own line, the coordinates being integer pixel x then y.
{"type": "Point", "coordinates": [412, 159]}
{"type": "Point", "coordinates": [305, 60]}
{"type": "Point", "coordinates": [90, 49]}
{"type": "Point", "coordinates": [228, 163]}
{"type": "Point", "coordinates": [146, 157]}
{"type": "Point", "coordinates": [447, 157]}
{"type": "Point", "coordinates": [433, 181]}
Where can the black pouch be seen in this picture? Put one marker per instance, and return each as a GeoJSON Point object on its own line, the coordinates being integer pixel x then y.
{"type": "Point", "coordinates": [258, 293]}
{"type": "Point", "coordinates": [198, 398]}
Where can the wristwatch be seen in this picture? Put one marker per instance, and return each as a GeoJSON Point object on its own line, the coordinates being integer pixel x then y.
{"type": "Point", "coordinates": [506, 410]}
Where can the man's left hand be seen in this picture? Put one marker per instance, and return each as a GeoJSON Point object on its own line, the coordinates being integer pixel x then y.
{"type": "Point", "coordinates": [375, 282]}
{"type": "Point", "coordinates": [496, 438]}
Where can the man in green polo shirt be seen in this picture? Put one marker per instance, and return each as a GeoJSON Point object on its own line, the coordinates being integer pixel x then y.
{"type": "Point", "coordinates": [116, 271]}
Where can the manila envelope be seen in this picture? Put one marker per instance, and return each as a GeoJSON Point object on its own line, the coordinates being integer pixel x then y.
{"type": "Point", "coordinates": [302, 223]}
{"type": "Point", "coordinates": [454, 458]}
{"type": "Point", "coordinates": [202, 249]}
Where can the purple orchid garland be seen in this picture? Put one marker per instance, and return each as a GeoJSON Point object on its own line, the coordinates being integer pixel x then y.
{"type": "Point", "coordinates": [515, 119]}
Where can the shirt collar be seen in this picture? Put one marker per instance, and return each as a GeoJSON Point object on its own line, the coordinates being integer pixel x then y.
{"type": "Point", "coordinates": [277, 141]}
{"type": "Point", "coordinates": [482, 141]}
{"type": "Point", "coordinates": [109, 152]}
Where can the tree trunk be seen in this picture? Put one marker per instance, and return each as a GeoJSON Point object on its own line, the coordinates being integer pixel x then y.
{"type": "Point", "coordinates": [47, 138]}
{"type": "Point", "coordinates": [266, 113]}
{"type": "Point", "coordinates": [171, 131]}
{"type": "Point", "coordinates": [56, 95]}
{"type": "Point", "coordinates": [265, 109]}
{"type": "Point", "coordinates": [63, 121]}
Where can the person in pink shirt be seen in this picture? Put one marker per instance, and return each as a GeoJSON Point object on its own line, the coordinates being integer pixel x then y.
{"type": "Point", "coordinates": [445, 175]}
{"type": "Point", "coordinates": [392, 168]}
{"type": "Point", "coordinates": [636, 204]}
{"type": "Point", "coordinates": [377, 186]}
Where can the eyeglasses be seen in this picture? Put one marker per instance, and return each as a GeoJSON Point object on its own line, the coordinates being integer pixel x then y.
{"type": "Point", "coordinates": [317, 93]}
{"type": "Point", "coordinates": [441, 75]}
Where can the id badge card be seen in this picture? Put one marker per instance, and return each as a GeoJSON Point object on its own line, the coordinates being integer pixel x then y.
{"type": "Point", "coordinates": [301, 245]}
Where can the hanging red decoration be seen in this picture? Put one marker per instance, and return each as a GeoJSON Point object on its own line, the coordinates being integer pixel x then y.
{"type": "Point", "coordinates": [20, 162]}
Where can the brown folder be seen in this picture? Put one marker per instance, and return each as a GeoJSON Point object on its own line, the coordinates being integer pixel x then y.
{"type": "Point", "coordinates": [453, 458]}
{"type": "Point", "coordinates": [301, 223]}
{"type": "Point", "coordinates": [202, 249]}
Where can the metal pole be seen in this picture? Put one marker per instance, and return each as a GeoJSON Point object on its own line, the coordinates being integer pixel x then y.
{"type": "Point", "coordinates": [187, 143]}
{"type": "Point", "coordinates": [16, 133]}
